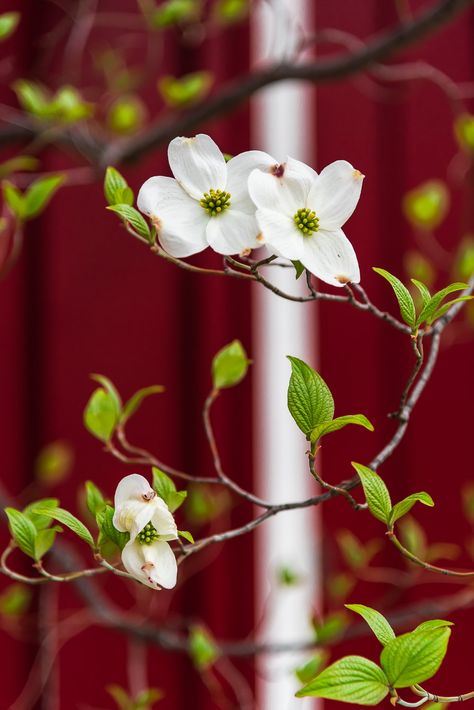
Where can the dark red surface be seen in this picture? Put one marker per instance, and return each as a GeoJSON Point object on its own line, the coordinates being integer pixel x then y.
{"type": "Point", "coordinates": [85, 298]}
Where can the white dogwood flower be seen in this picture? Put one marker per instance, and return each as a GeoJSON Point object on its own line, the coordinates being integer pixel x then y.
{"type": "Point", "coordinates": [300, 214]}
{"type": "Point", "coordinates": [207, 202]}
{"type": "Point", "coordinates": [141, 512]}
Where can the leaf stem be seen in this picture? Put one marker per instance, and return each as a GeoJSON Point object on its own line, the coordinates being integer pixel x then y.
{"type": "Point", "coordinates": [426, 565]}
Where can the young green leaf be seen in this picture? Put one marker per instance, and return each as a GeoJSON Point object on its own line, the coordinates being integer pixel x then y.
{"type": "Point", "coordinates": [135, 401]}
{"type": "Point", "coordinates": [376, 492]}
{"type": "Point", "coordinates": [352, 679]}
{"type": "Point", "coordinates": [400, 509]}
{"type": "Point", "coordinates": [14, 199]}
{"type": "Point", "coordinates": [22, 530]}
{"type": "Point", "coordinates": [101, 415]}
{"type": "Point", "coordinates": [309, 398]}
{"type": "Point", "coordinates": [166, 489]}
{"type": "Point", "coordinates": [377, 622]}
{"type": "Point", "coordinates": [414, 657]}
{"type": "Point", "coordinates": [202, 648]}
{"type": "Point", "coordinates": [339, 423]}
{"type": "Point", "coordinates": [44, 542]}
{"type": "Point", "coordinates": [355, 553]}
{"type": "Point", "coordinates": [116, 189]}
{"type": "Point", "coordinates": [135, 220]}
{"type": "Point", "coordinates": [95, 501]}
{"type": "Point", "coordinates": [229, 366]}
{"type": "Point", "coordinates": [403, 295]}
{"type": "Point", "coordinates": [446, 306]}
{"type": "Point", "coordinates": [8, 23]}
{"type": "Point", "coordinates": [110, 388]}
{"type": "Point", "coordinates": [299, 268]}
{"type": "Point", "coordinates": [433, 304]}
{"type": "Point", "coordinates": [186, 535]}
{"type": "Point", "coordinates": [185, 90]}
{"type": "Point", "coordinates": [424, 291]}
{"type": "Point", "coordinates": [40, 521]}
{"type": "Point", "coordinates": [312, 667]}
{"type": "Point", "coordinates": [69, 520]}
{"type": "Point", "coordinates": [432, 624]}
{"type": "Point", "coordinates": [15, 600]}
{"type": "Point", "coordinates": [107, 529]}
{"type": "Point", "coordinates": [39, 194]}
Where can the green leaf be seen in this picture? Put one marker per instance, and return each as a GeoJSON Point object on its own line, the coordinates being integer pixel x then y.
{"type": "Point", "coordinates": [15, 600]}
{"type": "Point", "coordinates": [446, 306]}
{"type": "Point", "coordinates": [202, 648]}
{"type": "Point", "coordinates": [8, 23]}
{"type": "Point", "coordinates": [414, 657]}
{"type": "Point", "coordinates": [309, 398]}
{"type": "Point", "coordinates": [54, 463]}
{"type": "Point", "coordinates": [424, 291]}
{"type": "Point", "coordinates": [109, 387]}
{"type": "Point", "coordinates": [95, 501]}
{"type": "Point", "coordinates": [299, 269]}
{"type": "Point", "coordinates": [69, 520]}
{"type": "Point", "coordinates": [432, 306]}
{"type": "Point", "coordinates": [105, 522]}
{"type": "Point", "coordinates": [172, 12]}
{"type": "Point", "coordinates": [376, 492]}
{"type": "Point", "coordinates": [121, 697]}
{"type": "Point", "coordinates": [432, 624]}
{"type": "Point", "coordinates": [134, 218]}
{"type": "Point", "coordinates": [187, 89]}
{"type": "Point", "coordinates": [187, 535]}
{"type": "Point", "coordinates": [229, 366]}
{"type": "Point", "coordinates": [135, 401]}
{"type": "Point", "coordinates": [31, 96]}
{"type": "Point", "coordinates": [44, 542]}
{"type": "Point", "coordinates": [125, 116]}
{"type": "Point", "coordinates": [166, 489]}
{"type": "Point", "coordinates": [147, 697]}
{"type": "Point", "coordinates": [19, 163]}
{"type": "Point", "coordinates": [403, 295]}
{"type": "Point", "coordinates": [330, 628]}
{"type": "Point", "coordinates": [40, 193]}
{"type": "Point", "coordinates": [355, 553]}
{"type": "Point", "coordinates": [116, 189]}
{"type": "Point", "coordinates": [14, 199]}
{"type": "Point", "coordinates": [40, 521]}
{"type": "Point", "coordinates": [352, 679]}
{"type": "Point", "coordinates": [228, 11]}
{"type": "Point", "coordinates": [22, 530]}
{"type": "Point", "coordinates": [426, 206]}
{"type": "Point", "coordinates": [312, 667]}
{"type": "Point", "coordinates": [400, 509]}
{"type": "Point", "coordinates": [339, 423]}
{"type": "Point", "coordinates": [377, 622]}
{"type": "Point", "coordinates": [100, 415]}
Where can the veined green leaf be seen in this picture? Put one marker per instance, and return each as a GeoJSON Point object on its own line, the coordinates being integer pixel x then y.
{"type": "Point", "coordinates": [116, 189]}
{"type": "Point", "coordinates": [44, 542]}
{"type": "Point", "coordinates": [400, 509]}
{"type": "Point", "coordinates": [166, 489]}
{"type": "Point", "coordinates": [312, 667]}
{"type": "Point", "coordinates": [22, 530]}
{"type": "Point", "coordinates": [95, 501]}
{"type": "Point", "coordinates": [403, 295]}
{"type": "Point", "coordinates": [40, 521]}
{"type": "Point", "coordinates": [100, 415]}
{"type": "Point", "coordinates": [432, 306]}
{"type": "Point", "coordinates": [414, 657]}
{"type": "Point", "coordinates": [135, 400]}
{"type": "Point", "coordinates": [230, 365]}
{"type": "Point", "coordinates": [69, 520]}
{"type": "Point", "coordinates": [339, 423]}
{"type": "Point", "coordinates": [424, 291]}
{"type": "Point", "coordinates": [107, 529]}
{"type": "Point", "coordinates": [377, 622]}
{"type": "Point", "coordinates": [432, 624]}
{"type": "Point", "coordinates": [352, 679]}
{"type": "Point", "coordinates": [134, 218]}
{"type": "Point", "coordinates": [376, 492]}
{"type": "Point", "coordinates": [309, 398]}
{"type": "Point", "coordinates": [446, 306]}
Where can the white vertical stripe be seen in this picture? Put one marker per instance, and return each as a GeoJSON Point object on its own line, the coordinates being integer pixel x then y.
{"type": "Point", "coordinates": [283, 123]}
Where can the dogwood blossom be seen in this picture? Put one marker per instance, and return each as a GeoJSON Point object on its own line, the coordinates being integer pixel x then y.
{"type": "Point", "coordinates": [141, 512]}
{"type": "Point", "coordinates": [207, 202]}
{"type": "Point", "coordinates": [300, 214]}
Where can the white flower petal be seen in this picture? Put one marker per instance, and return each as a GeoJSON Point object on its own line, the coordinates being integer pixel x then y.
{"type": "Point", "coordinates": [132, 487]}
{"type": "Point", "coordinates": [238, 171]}
{"type": "Point", "coordinates": [280, 234]}
{"type": "Point", "coordinates": [132, 516]}
{"type": "Point", "coordinates": [281, 188]}
{"type": "Point", "coordinates": [179, 220]}
{"type": "Point", "coordinates": [330, 256]}
{"type": "Point", "coordinates": [153, 565]}
{"type": "Point", "coordinates": [197, 164]}
{"type": "Point", "coordinates": [163, 520]}
{"type": "Point", "coordinates": [232, 232]}
{"type": "Point", "coordinates": [335, 194]}
{"type": "Point", "coordinates": [300, 172]}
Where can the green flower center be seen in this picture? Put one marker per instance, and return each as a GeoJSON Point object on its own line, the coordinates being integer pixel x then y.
{"type": "Point", "coordinates": [148, 535]}
{"type": "Point", "coordinates": [306, 220]}
{"type": "Point", "coordinates": [215, 202]}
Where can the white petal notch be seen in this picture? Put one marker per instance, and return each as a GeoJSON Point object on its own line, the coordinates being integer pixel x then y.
{"type": "Point", "coordinates": [140, 511]}
{"type": "Point", "coordinates": [207, 202]}
{"type": "Point", "coordinates": [300, 215]}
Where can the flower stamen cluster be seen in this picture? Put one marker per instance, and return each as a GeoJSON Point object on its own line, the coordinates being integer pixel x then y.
{"type": "Point", "coordinates": [306, 220]}
{"type": "Point", "coordinates": [148, 535]}
{"type": "Point", "coordinates": [215, 201]}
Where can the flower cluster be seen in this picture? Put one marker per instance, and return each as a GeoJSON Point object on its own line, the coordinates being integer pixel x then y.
{"type": "Point", "coordinates": [252, 201]}
{"type": "Point", "coordinates": [142, 513]}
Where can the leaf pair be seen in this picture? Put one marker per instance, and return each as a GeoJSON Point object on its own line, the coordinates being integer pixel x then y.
{"type": "Point", "coordinates": [120, 198]}
{"type": "Point", "coordinates": [432, 306]}
{"type": "Point", "coordinates": [32, 202]}
{"type": "Point", "coordinates": [311, 403]}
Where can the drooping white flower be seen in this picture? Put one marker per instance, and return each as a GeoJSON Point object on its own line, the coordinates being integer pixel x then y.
{"type": "Point", "coordinates": [300, 214]}
{"type": "Point", "coordinates": [141, 512]}
{"type": "Point", "coordinates": [207, 202]}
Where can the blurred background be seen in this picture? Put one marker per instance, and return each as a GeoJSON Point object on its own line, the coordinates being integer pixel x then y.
{"type": "Point", "coordinates": [81, 296]}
